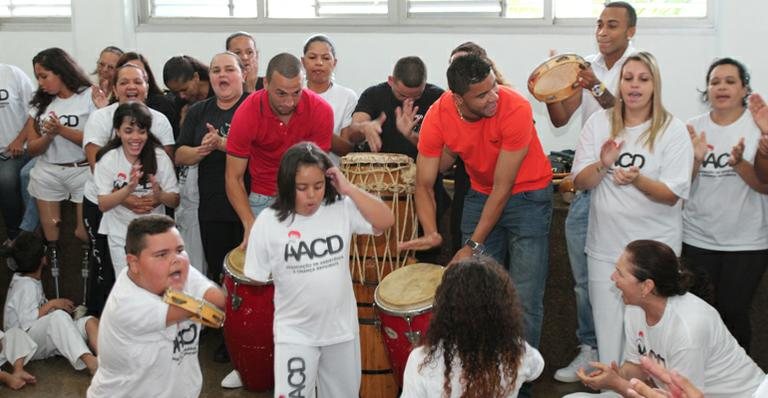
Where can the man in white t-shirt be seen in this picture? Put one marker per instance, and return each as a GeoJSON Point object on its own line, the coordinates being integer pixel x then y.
{"type": "Point", "coordinates": [615, 28]}
{"type": "Point", "coordinates": [15, 93]}
{"type": "Point", "coordinates": [149, 348]}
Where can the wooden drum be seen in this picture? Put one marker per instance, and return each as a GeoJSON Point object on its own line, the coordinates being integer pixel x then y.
{"type": "Point", "coordinates": [392, 178]}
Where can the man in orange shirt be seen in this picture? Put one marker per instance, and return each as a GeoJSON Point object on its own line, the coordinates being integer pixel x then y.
{"type": "Point", "coordinates": [508, 209]}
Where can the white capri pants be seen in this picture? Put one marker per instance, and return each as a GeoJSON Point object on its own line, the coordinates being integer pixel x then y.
{"type": "Point", "coordinates": [607, 310]}
{"type": "Point", "coordinates": [53, 183]}
{"type": "Point", "coordinates": [57, 334]}
{"type": "Point", "coordinates": [187, 220]}
{"type": "Point", "coordinates": [16, 344]}
{"type": "Point", "coordinates": [334, 369]}
{"type": "Point", "coordinates": [117, 252]}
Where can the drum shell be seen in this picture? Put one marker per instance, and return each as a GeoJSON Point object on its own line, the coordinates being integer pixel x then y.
{"type": "Point", "coordinates": [377, 380]}
{"type": "Point", "coordinates": [391, 177]}
{"type": "Point", "coordinates": [396, 329]}
{"type": "Point", "coordinates": [248, 330]}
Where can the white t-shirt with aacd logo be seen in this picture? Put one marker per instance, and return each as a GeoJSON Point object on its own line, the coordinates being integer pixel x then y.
{"type": "Point", "coordinates": [619, 214]}
{"type": "Point", "coordinates": [15, 93]}
{"type": "Point", "coordinates": [73, 112]}
{"type": "Point", "coordinates": [723, 212]}
{"type": "Point", "coordinates": [99, 131]}
{"type": "Point", "coordinates": [692, 339]}
{"type": "Point", "coordinates": [308, 258]}
{"type": "Point", "coordinates": [139, 356]}
{"type": "Point", "coordinates": [113, 172]}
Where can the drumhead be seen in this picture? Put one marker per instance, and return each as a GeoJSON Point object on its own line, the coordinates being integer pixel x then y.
{"type": "Point", "coordinates": [375, 158]}
{"type": "Point", "coordinates": [409, 289]}
{"type": "Point", "coordinates": [234, 262]}
{"type": "Point", "coordinates": [553, 80]}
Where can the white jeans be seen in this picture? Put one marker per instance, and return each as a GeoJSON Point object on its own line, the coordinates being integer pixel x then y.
{"type": "Point", "coordinates": [334, 369]}
{"type": "Point", "coordinates": [607, 310]}
{"type": "Point", "coordinates": [16, 344]}
{"type": "Point", "coordinates": [57, 334]}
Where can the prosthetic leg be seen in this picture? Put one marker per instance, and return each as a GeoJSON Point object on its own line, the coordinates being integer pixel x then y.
{"type": "Point", "coordinates": [81, 309]}
{"type": "Point", "coordinates": [50, 218]}
{"type": "Point", "coordinates": [53, 256]}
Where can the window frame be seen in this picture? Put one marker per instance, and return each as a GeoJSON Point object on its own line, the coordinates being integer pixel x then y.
{"type": "Point", "coordinates": [37, 23]}
{"type": "Point", "coordinates": [398, 18]}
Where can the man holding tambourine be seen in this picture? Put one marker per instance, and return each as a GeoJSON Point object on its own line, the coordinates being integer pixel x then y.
{"type": "Point", "coordinates": [594, 79]}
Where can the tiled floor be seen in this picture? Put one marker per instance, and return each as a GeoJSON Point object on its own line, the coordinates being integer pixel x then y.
{"type": "Point", "coordinates": [57, 379]}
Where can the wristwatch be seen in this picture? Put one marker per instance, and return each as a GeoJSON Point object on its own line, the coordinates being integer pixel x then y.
{"type": "Point", "coordinates": [477, 248]}
{"type": "Point", "coordinates": [598, 90]}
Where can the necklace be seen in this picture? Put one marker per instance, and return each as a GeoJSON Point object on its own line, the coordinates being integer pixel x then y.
{"type": "Point", "coordinates": [458, 110]}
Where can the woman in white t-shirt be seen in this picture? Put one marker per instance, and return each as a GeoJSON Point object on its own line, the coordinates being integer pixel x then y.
{"type": "Point", "coordinates": [302, 244]}
{"type": "Point", "coordinates": [636, 160]}
{"type": "Point", "coordinates": [477, 327]}
{"type": "Point", "coordinates": [319, 61]}
{"type": "Point", "coordinates": [674, 328]}
{"type": "Point", "coordinates": [130, 84]}
{"type": "Point", "coordinates": [59, 110]}
{"type": "Point", "coordinates": [131, 164]}
{"type": "Point", "coordinates": [725, 245]}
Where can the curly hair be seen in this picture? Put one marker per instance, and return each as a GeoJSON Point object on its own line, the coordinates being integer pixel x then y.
{"type": "Point", "coordinates": [478, 318]}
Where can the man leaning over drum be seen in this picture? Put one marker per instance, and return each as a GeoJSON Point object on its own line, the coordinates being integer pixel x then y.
{"type": "Point", "coordinates": [510, 203]}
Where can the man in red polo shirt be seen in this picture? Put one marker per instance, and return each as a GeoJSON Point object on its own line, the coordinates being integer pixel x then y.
{"type": "Point", "coordinates": [265, 125]}
{"type": "Point", "coordinates": [508, 210]}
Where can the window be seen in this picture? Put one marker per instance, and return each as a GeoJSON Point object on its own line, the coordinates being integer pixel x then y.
{"type": "Point", "coordinates": [505, 9]}
{"type": "Point", "coordinates": [421, 12]}
{"type": "Point", "coordinates": [203, 8]}
{"type": "Point", "coordinates": [644, 8]}
{"type": "Point", "coordinates": [35, 8]}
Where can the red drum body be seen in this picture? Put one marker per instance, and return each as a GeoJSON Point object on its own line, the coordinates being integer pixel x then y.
{"type": "Point", "coordinates": [404, 303]}
{"type": "Point", "coordinates": [250, 314]}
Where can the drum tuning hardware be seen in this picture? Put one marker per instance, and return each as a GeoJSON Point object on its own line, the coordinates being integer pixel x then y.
{"type": "Point", "coordinates": [414, 337]}
{"type": "Point", "coordinates": [236, 301]}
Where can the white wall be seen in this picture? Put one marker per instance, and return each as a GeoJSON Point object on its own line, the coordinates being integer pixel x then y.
{"type": "Point", "coordinates": [367, 58]}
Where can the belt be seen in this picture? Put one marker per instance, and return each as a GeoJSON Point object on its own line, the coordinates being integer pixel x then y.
{"type": "Point", "coordinates": [80, 163]}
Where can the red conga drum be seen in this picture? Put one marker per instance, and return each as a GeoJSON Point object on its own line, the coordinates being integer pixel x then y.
{"type": "Point", "coordinates": [250, 314]}
{"type": "Point", "coordinates": [404, 302]}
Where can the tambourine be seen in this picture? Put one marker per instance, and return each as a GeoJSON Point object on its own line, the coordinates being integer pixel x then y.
{"type": "Point", "coordinates": [204, 312]}
{"type": "Point", "coordinates": [555, 79]}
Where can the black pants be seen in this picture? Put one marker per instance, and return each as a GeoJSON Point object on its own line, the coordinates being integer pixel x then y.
{"type": "Point", "coordinates": [101, 273]}
{"type": "Point", "coordinates": [218, 238]}
{"type": "Point", "coordinates": [730, 279]}
{"type": "Point", "coordinates": [460, 189]}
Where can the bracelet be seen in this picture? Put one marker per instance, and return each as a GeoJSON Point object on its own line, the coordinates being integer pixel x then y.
{"type": "Point", "coordinates": [601, 169]}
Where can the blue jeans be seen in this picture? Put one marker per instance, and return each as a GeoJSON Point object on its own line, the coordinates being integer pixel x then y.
{"type": "Point", "coordinates": [11, 204]}
{"type": "Point", "coordinates": [259, 202]}
{"type": "Point", "coordinates": [31, 218]}
{"type": "Point", "coordinates": [523, 230]}
{"type": "Point", "coordinates": [576, 241]}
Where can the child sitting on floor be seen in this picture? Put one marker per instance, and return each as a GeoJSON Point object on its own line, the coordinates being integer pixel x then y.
{"type": "Point", "coordinates": [48, 322]}
{"type": "Point", "coordinates": [17, 348]}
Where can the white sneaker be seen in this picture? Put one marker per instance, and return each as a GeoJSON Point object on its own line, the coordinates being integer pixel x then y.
{"type": "Point", "coordinates": [568, 374]}
{"type": "Point", "coordinates": [232, 380]}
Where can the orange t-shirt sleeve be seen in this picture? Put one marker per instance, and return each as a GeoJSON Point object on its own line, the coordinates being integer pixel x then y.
{"type": "Point", "coordinates": [431, 140]}
{"type": "Point", "coordinates": [517, 127]}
